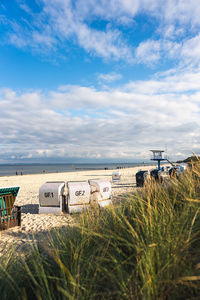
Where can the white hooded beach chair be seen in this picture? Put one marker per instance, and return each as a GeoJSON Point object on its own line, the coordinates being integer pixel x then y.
{"type": "Point", "coordinates": [100, 192]}
{"type": "Point", "coordinates": [116, 176]}
{"type": "Point", "coordinates": [78, 196]}
{"type": "Point", "coordinates": [51, 197]}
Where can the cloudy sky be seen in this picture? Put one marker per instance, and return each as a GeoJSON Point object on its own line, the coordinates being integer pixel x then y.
{"type": "Point", "coordinates": [99, 80]}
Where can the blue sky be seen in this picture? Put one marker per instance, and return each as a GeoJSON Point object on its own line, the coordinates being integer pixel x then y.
{"type": "Point", "coordinates": [99, 80]}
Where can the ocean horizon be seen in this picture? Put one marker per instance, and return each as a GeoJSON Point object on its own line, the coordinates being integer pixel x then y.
{"type": "Point", "coordinates": [38, 168]}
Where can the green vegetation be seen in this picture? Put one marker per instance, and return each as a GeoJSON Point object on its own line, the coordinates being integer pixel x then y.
{"type": "Point", "coordinates": [148, 247]}
{"type": "Point", "coordinates": [191, 159]}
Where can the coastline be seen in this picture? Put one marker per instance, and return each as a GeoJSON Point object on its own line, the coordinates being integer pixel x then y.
{"type": "Point", "coordinates": [28, 169]}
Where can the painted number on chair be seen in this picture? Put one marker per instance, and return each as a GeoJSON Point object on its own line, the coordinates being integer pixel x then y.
{"type": "Point", "coordinates": [106, 189]}
{"type": "Point", "coordinates": [48, 195]}
{"type": "Point", "coordinates": [80, 193]}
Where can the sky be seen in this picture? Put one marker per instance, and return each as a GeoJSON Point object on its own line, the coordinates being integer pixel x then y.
{"type": "Point", "coordinates": [99, 80]}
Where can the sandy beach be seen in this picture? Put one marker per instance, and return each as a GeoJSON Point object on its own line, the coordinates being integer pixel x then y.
{"type": "Point", "coordinates": [28, 199]}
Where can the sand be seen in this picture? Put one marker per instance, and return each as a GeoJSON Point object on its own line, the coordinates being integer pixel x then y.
{"type": "Point", "coordinates": [28, 198]}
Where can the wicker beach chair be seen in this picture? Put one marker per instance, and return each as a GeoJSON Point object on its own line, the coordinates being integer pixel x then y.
{"type": "Point", "coordinates": [10, 214]}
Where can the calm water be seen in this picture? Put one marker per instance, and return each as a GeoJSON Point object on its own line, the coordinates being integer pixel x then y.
{"type": "Point", "coordinates": [9, 169]}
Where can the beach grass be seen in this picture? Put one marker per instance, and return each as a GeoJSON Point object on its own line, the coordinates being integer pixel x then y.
{"type": "Point", "coordinates": [148, 247]}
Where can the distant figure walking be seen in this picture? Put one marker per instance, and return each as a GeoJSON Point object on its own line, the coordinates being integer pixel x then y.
{"type": "Point", "coordinates": [16, 173]}
{"type": "Point", "coordinates": [21, 173]}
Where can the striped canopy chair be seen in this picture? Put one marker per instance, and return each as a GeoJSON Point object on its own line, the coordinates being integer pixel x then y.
{"type": "Point", "coordinates": [10, 214]}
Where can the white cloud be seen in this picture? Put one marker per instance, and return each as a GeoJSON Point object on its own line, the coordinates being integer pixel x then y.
{"type": "Point", "coordinates": [59, 21]}
{"type": "Point", "coordinates": [191, 50]}
{"type": "Point", "coordinates": [183, 11]}
{"type": "Point", "coordinates": [148, 52]}
{"type": "Point", "coordinates": [108, 10]}
{"type": "Point", "coordinates": [124, 122]}
{"type": "Point", "coordinates": [168, 11]}
{"type": "Point", "coordinates": [110, 77]}
{"type": "Point", "coordinates": [106, 44]}
{"type": "Point", "coordinates": [179, 82]}
{"type": "Point", "coordinates": [185, 52]}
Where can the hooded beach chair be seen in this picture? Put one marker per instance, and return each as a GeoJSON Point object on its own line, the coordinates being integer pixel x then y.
{"type": "Point", "coordinates": [100, 192]}
{"type": "Point", "coordinates": [10, 214]}
{"type": "Point", "coordinates": [51, 197]}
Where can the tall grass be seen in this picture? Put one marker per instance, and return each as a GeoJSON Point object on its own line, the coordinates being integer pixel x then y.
{"type": "Point", "coordinates": [148, 247]}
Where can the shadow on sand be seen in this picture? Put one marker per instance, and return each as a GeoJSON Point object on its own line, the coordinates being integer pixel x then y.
{"type": "Point", "coordinates": [24, 242]}
{"type": "Point", "coordinates": [30, 208]}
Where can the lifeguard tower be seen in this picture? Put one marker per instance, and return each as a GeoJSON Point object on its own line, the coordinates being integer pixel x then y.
{"type": "Point", "coordinates": [158, 156]}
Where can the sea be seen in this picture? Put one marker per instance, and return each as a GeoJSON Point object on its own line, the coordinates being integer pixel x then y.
{"type": "Point", "coordinates": [24, 169]}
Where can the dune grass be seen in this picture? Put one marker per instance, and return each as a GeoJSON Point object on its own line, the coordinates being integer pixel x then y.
{"type": "Point", "coordinates": [148, 247]}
